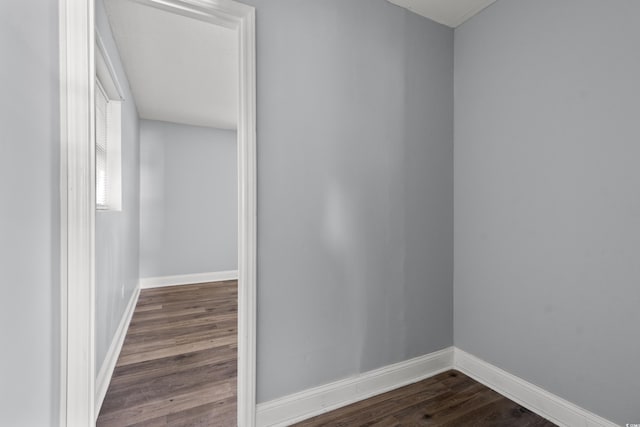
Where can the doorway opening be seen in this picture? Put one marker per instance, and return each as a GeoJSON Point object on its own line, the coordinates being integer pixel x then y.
{"type": "Point", "coordinates": [78, 161]}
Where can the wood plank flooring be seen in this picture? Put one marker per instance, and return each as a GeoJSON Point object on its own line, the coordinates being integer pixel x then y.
{"type": "Point", "coordinates": [178, 364]}
{"type": "Point", "coordinates": [449, 399]}
{"type": "Point", "coordinates": [178, 368]}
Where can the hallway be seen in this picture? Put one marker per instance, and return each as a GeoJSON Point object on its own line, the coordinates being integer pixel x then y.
{"type": "Point", "coordinates": [178, 364]}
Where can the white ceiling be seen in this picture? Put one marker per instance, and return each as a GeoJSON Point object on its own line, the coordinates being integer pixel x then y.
{"type": "Point", "coordinates": [180, 69]}
{"type": "Point", "coordinates": [448, 12]}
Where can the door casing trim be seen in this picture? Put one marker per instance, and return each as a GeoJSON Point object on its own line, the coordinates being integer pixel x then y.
{"type": "Point", "coordinates": [77, 195]}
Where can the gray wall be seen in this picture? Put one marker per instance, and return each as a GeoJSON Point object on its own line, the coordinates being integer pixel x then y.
{"type": "Point", "coordinates": [355, 155]}
{"type": "Point", "coordinates": [30, 214]}
{"type": "Point", "coordinates": [117, 232]}
{"type": "Point", "coordinates": [547, 207]}
{"type": "Point", "coordinates": [188, 199]}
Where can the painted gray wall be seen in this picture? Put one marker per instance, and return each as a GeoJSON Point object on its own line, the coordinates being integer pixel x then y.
{"type": "Point", "coordinates": [188, 199]}
{"type": "Point", "coordinates": [30, 214]}
{"type": "Point", "coordinates": [355, 180]}
{"type": "Point", "coordinates": [547, 207]}
{"type": "Point", "coordinates": [117, 232]}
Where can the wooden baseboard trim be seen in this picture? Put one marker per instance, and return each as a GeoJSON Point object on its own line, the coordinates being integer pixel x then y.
{"type": "Point", "coordinates": [109, 364]}
{"type": "Point", "coordinates": [532, 397]}
{"type": "Point", "coordinates": [319, 400]}
{"type": "Point", "coordinates": [187, 279]}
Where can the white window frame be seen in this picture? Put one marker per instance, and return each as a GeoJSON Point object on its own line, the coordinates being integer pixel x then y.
{"type": "Point", "coordinates": [107, 83]}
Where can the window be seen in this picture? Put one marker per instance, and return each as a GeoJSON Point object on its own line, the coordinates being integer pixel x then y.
{"type": "Point", "coordinates": [108, 110]}
{"type": "Point", "coordinates": [102, 118]}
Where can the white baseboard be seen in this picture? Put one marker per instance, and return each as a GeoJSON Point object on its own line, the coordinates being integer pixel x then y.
{"type": "Point", "coordinates": [543, 403]}
{"type": "Point", "coordinates": [109, 364]}
{"type": "Point", "coordinates": [187, 279]}
{"type": "Point", "coordinates": [309, 403]}
{"type": "Point", "coordinates": [319, 400]}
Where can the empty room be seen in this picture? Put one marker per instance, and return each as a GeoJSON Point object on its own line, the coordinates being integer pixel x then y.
{"type": "Point", "coordinates": [320, 213]}
{"type": "Point", "coordinates": [169, 239]}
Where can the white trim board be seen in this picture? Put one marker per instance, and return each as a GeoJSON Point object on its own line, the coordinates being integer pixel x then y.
{"type": "Point", "coordinates": [187, 279]}
{"type": "Point", "coordinates": [534, 398]}
{"type": "Point", "coordinates": [106, 71]}
{"type": "Point", "coordinates": [319, 400]}
{"type": "Point", "coordinates": [303, 405]}
{"type": "Point", "coordinates": [109, 364]}
{"type": "Point", "coordinates": [77, 212]}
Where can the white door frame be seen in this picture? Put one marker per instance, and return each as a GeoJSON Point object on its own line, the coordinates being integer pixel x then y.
{"type": "Point", "coordinates": [77, 192]}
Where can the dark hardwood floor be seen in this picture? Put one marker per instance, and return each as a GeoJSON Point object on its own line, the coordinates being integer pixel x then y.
{"type": "Point", "coordinates": [178, 364]}
{"type": "Point", "coordinates": [449, 399]}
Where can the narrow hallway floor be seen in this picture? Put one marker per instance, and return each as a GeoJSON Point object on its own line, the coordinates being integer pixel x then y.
{"type": "Point", "coordinates": [178, 364]}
